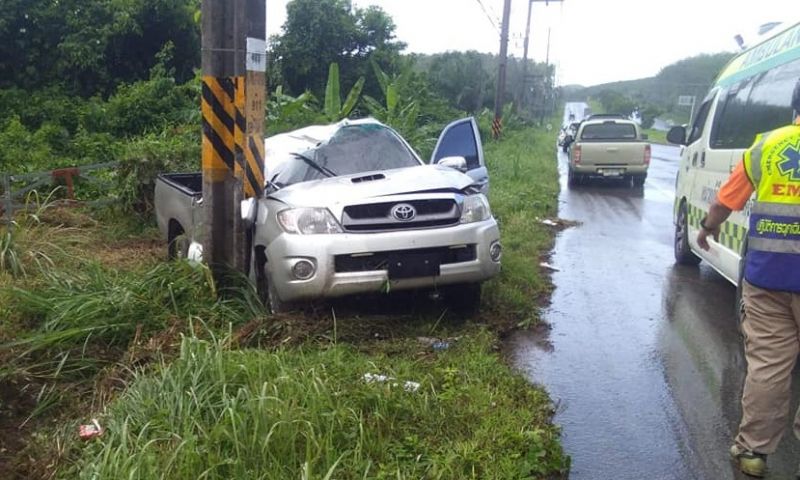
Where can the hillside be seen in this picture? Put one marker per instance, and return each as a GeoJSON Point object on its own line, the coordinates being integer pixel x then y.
{"type": "Point", "coordinates": [690, 76]}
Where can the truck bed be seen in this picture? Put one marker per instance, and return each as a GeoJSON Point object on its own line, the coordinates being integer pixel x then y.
{"type": "Point", "coordinates": [187, 183]}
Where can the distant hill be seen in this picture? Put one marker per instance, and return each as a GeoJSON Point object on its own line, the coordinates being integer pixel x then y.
{"type": "Point", "coordinates": [690, 76]}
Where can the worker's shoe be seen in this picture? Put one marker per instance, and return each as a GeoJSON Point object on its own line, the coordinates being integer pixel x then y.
{"type": "Point", "coordinates": [750, 463]}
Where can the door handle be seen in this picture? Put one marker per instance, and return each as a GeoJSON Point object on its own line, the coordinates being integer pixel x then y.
{"type": "Point", "coordinates": [703, 159]}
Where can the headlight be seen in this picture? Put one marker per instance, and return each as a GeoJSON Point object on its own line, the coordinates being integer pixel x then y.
{"type": "Point", "coordinates": [308, 221]}
{"type": "Point", "coordinates": [475, 209]}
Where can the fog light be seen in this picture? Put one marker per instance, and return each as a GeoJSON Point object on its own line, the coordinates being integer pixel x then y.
{"type": "Point", "coordinates": [303, 270]}
{"type": "Point", "coordinates": [496, 251]}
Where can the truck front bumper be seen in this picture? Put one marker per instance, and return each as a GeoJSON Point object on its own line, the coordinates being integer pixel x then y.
{"type": "Point", "coordinates": [345, 264]}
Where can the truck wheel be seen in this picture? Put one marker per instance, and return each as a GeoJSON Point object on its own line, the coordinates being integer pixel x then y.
{"type": "Point", "coordinates": [572, 178]}
{"type": "Point", "coordinates": [267, 294]}
{"type": "Point", "coordinates": [638, 180]}
{"type": "Point", "coordinates": [683, 253]}
{"type": "Point", "coordinates": [463, 299]}
{"type": "Point", "coordinates": [177, 243]}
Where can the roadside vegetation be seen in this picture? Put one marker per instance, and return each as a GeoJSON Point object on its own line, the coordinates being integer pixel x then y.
{"type": "Point", "coordinates": [190, 379]}
{"type": "Point", "coordinates": [187, 379]}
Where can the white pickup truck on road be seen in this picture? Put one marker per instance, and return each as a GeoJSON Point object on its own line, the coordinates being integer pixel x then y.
{"type": "Point", "coordinates": [609, 148]}
{"type": "Point", "coordinates": [351, 208]}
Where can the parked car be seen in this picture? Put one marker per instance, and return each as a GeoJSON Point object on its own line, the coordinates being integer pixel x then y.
{"type": "Point", "coordinates": [609, 148]}
{"type": "Point", "coordinates": [351, 208]}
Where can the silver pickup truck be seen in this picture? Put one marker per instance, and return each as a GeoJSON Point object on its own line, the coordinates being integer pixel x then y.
{"type": "Point", "coordinates": [609, 148]}
{"type": "Point", "coordinates": [350, 208]}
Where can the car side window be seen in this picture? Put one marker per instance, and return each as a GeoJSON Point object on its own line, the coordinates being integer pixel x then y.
{"type": "Point", "coordinates": [771, 99]}
{"type": "Point", "coordinates": [699, 122]}
{"type": "Point", "coordinates": [460, 141]}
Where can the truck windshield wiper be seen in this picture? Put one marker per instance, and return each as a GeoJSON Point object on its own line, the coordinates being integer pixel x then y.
{"type": "Point", "coordinates": [316, 166]}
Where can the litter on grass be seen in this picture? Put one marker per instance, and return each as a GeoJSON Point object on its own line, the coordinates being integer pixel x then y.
{"type": "Point", "coordinates": [88, 432]}
{"type": "Point", "coordinates": [408, 386]}
{"type": "Point", "coordinates": [549, 267]}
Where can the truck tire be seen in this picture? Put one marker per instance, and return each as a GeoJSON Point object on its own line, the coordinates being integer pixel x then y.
{"type": "Point", "coordinates": [266, 292]}
{"type": "Point", "coordinates": [683, 253]}
{"type": "Point", "coordinates": [638, 180]}
{"type": "Point", "coordinates": [573, 179]}
{"type": "Point", "coordinates": [177, 242]}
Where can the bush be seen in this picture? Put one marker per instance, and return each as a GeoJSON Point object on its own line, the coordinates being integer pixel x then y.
{"type": "Point", "coordinates": [144, 158]}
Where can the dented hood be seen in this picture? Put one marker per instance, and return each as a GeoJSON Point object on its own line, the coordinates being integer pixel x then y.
{"type": "Point", "coordinates": [346, 190]}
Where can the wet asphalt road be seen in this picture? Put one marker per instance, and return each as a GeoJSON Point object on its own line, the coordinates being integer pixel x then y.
{"type": "Point", "coordinates": [644, 359]}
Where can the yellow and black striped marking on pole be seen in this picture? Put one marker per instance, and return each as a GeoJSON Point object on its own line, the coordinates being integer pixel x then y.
{"type": "Point", "coordinates": [227, 148]}
{"type": "Point", "coordinates": [497, 127]}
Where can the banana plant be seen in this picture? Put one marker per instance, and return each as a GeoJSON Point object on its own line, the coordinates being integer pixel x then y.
{"type": "Point", "coordinates": [400, 115]}
{"type": "Point", "coordinates": [334, 109]}
{"type": "Point", "coordinates": [281, 105]}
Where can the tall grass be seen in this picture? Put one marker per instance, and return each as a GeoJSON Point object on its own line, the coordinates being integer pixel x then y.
{"type": "Point", "coordinates": [524, 188]}
{"type": "Point", "coordinates": [220, 414]}
{"type": "Point", "coordinates": [104, 308]}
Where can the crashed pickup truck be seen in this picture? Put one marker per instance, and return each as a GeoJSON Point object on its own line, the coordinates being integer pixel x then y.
{"type": "Point", "coordinates": [350, 208]}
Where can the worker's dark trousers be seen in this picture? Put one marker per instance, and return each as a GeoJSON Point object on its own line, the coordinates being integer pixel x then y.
{"type": "Point", "coordinates": [771, 328]}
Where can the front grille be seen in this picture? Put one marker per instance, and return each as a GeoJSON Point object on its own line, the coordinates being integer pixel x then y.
{"type": "Point", "coordinates": [375, 217]}
{"type": "Point", "coordinates": [366, 262]}
{"type": "Point", "coordinates": [378, 210]}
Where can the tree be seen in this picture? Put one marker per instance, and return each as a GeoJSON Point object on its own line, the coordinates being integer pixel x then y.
{"type": "Point", "coordinates": [91, 45]}
{"type": "Point", "coordinates": [320, 32]}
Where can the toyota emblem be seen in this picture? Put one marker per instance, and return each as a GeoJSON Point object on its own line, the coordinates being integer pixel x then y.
{"type": "Point", "coordinates": [404, 212]}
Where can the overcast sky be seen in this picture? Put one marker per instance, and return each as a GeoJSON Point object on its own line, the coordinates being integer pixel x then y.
{"type": "Point", "coordinates": [592, 41]}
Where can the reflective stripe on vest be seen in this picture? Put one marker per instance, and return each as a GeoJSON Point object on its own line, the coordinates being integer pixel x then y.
{"type": "Point", "coordinates": [773, 249]}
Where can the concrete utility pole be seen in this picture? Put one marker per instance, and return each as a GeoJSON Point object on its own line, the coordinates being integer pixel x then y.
{"type": "Point", "coordinates": [497, 124]}
{"type": "Point", "coordinates": [524, 88]}
{"type": "Point", "coordinates": [233, 100]}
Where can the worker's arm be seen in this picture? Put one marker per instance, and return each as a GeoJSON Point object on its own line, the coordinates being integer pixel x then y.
{"type": "Point", "coordinates": [732, 196]}
{"type": "Point", "coordinates": [710, 225]}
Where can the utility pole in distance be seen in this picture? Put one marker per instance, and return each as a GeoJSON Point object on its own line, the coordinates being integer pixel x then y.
{"type": "Point", "coordinates": [524, 87]}
{"type": "Point", "coordinates": [497, 124]}
{"type": "Point", "coordinates": [233, 66]}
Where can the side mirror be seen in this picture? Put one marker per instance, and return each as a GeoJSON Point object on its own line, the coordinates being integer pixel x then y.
{"type": "Point", "coordinates": [644, 136]}
{"type": "Point", "coordinates": [249, 207]}
{"type": "Point", "coordinates": [677, 135]}
{"type": "Point", "coordinates": [457, 163]}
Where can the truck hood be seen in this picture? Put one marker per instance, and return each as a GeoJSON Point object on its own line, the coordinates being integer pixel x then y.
{"type": "Point", "coordinates": [346, 190]}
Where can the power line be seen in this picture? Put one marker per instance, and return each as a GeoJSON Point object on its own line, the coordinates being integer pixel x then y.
{"type": "Point", "coordinates": [488, 17]}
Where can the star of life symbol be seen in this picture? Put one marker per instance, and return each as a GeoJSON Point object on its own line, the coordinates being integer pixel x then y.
{"type": "Point", "coordinates": [790, 161]}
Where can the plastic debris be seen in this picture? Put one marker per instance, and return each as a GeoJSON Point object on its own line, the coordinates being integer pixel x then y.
{"type": "Point", "coordinates": [374, 378]}
{"type": "Point", "coordinates": [440, 345]}
{"type": "Point", "coordinates": [549, 267]}
{"type": "Point", "coordinates": [411, 386]}
{"type": "Point", "coordinates": [408, 386]}
{"type": "Point", "coordinates": [548, 222]}
{"type": "Point", "coordinates": [88, 432]}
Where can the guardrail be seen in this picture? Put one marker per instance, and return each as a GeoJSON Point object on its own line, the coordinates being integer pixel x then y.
{"type": "Point", "coordinates": [15, 187]}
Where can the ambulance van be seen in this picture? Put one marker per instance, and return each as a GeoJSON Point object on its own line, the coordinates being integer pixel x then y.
{"type": "Point", "coordinates": [752, 95]}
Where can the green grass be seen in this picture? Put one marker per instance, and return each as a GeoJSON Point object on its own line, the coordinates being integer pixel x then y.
{"type": "Point", "coordinates": [159, 356]}
{"type": "Point", "coordinates": [656, 136]}
{"type": "Point", "coordinates": [524, 188]}
{"type": "Point", "coordinates": [308, 413]}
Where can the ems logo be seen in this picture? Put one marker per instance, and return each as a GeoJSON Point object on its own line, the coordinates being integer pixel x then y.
{"type": "Point", "coordinates": [790, 161]}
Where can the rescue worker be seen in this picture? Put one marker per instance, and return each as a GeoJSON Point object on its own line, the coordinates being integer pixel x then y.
{"type": "Point", "coordinates": [771, 286]}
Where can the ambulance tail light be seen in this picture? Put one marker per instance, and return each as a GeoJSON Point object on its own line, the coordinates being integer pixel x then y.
{"type": "Point", "coordinates": [647, 154]}
{"type": "Point", "coordinates": [576, 154]}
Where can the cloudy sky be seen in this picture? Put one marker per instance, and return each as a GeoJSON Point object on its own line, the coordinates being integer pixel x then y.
{"type": "Point", "coordinates": [592, 41]}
